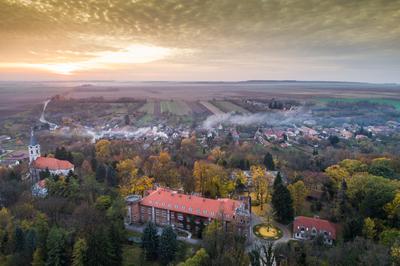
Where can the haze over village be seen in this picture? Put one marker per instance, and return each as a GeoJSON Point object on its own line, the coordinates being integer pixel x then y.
{"type": "Point", "coordinates": [199, 133]}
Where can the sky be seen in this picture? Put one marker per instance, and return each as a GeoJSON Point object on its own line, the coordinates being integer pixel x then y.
{"type": "Point", "coordinates": [343, 40]}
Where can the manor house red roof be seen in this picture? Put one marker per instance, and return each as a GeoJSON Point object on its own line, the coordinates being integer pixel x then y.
{"type": "Point", "coordinates": [210, 208]}
{"type": "Point", "coordinates": [51, 164]}
{"type": "Point", "coordinates": [318, 224]}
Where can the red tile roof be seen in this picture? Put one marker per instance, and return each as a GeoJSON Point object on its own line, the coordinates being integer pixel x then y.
{"type": "Point", "coordinates": [210, 208]}
{"type": "Point", "coordinates": [51, 164]}
{"type": "Point", "coordinates": [319, 224]}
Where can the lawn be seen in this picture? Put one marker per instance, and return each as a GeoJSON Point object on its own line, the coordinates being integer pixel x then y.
{"type": "Point", "coordinates": [228, 107]}
{"type": "Point", "coordinates": [175, 107]}
{"type": "Point", "coordinates": [392, 102]}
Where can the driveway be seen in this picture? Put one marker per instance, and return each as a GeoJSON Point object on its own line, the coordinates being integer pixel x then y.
{"type": "Point", "coordinates": [254, 240]}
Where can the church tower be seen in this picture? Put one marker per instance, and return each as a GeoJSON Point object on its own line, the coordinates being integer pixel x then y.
{"type": "Point", "coordinates": [34, 148]}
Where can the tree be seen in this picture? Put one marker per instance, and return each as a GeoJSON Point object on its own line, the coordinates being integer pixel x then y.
{"type": "Point", "coordinates": [282, 202]}
{"type": "Point", "coordinates": [199, 259]}
{"type": "Point", "coordinates": [260, 183]}
{"type": "Point", "coordinates": [370, 193]}
{"type": "Point", "coordinates": [56, 248]}
{"type": "Point", "coordinates": [168, 245]}
{"type": "Point", "coordinates": [262, 256]}
{"type": "Point", "coordinates": [99, 248]}
{"type": "Point", "coordinates": [101, 172]}
{"type": "Point", "coordinates": [19, 238]}
{"type": "Point", "coordinates": [225, 245]}
{"type": "Point", "coordinates": [393, 210]}
{"type": "Point", "coordinates": [369, 230]}
{"type": "Point", "coordinates": [38, 258]}
{"type": "Point", "coordinates": [79, 253]}
{"type": "Point", "coordinates": [269, 162]}
{"type": "Point", "coordinates": [298, 192]}
{"type": "Point", "coordinates": [137, 185]}
{"type": "Point", "coordinates": [382, 167]}
{"type": "Point", "coordinates": [211, 180]}
{"type": "Point", "coordinates": [333, 140]}
{"type": "Point", "coordinates": [150, 241]}
{"type": "Point", "coordinates": [127, 120]}
{"type": "Point", "coordinates": [103, 149]}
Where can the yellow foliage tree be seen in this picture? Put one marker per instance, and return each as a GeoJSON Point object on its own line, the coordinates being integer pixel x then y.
{"type": "Point", "coordinates": [103, 149]}
{"type": "Point", "coordinates": [369, 230]}
{"type": "Point", "coordinates": [299, 192]}
{"type": "Point", "coordinates": [260, 183]}
{"type": "Point", "coordinates": [136, 185]}
{"type": "Point", "coordinates": [337, 173]}
{"type": "Point", "coordinates": [126, 170]}
{"type": "Point", "coordinates": [393, 208]}
{"type": "Point", "coordinates": [211, 180]}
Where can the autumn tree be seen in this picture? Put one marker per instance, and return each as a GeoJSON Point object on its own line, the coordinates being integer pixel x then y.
{"type": "Point", "coordinates": [298, 192]}
{"type": "Point", "coordinates": [369, 229]}
{"type": "Point", "coordinates": [260, 183]}
{"type": "Point", "coordinates": [79, 253]}
{"type": "Point", "coordinates": [136, 185]}
{"type": "Point", "coordinates": [212, 180]}
{"type": "Point", "coordinates": [103, 151]}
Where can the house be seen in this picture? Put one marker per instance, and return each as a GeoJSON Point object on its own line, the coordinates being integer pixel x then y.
{"type": "Point", "coordinates": [38, 164]}
{"type": "Point", "coordinates": [39, 189]}
{"type": "Point", "coordinates": [189, 212]}
{"type": "Point", "coordinates": [307, 228]}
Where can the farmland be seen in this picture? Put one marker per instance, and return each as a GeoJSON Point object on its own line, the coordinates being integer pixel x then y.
{"type": "Point", "coordinates": [228, 107]}
{"type": "Point", "coordinates": [175, 107]}
{"type": "Point", "coordinates": [147, 108]}
{"type": "Point", "coordinates": [212, 108]}
{"type": "Point", "coordinates": [393, 102]}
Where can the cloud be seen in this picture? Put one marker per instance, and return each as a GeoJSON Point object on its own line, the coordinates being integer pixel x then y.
{"type": "Point", "coordinates": [249, 32]}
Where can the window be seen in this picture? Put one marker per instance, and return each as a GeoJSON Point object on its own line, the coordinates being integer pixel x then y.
{"type": "Point", "coordinates": [183, 207]}
{"type": "Point", "coordinates": [176, 206]}
{"type": "Point", "coordinates": [205, 212]}
{"type": "Point", "coordinates": [190, 209]}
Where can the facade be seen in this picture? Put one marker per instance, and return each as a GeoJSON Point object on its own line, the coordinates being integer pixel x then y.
{"type": "Point", "coordinates": [188, 212]}
{"type": "Point", "coordinates": [306, 228]}
{"type": "Point", "coordinates": [40, 164]}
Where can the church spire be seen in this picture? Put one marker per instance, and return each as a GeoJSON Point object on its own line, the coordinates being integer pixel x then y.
{"type": "Point", "coordinates": [33, 148]}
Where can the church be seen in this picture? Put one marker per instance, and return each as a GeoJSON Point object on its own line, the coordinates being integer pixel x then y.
{"type": "Point", "coordinates": [38, 164]}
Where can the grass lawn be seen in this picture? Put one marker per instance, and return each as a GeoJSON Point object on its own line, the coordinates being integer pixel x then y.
{"type": "Point", "coordinates": [392, 102]}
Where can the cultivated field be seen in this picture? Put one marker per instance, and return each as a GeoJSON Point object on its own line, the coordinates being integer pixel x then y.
{"type": "Point", "coordinates": [393, 102]}
{"type": "Point", "coordinates": [228, 107]}
{"type": "Point", "coordinates": [147, 108]}
{"type": "Point", "coordinates": [175, 107]}
{"type": "Point", "coordinates": [212, 108]}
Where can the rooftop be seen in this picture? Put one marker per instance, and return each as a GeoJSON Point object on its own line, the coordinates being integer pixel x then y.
{"type": "Point", "coordinates": [190, 204]}
{"type": "Point", "coordinates": [51, 164]}
{"type": "Point", "coordinates": [319, 224]}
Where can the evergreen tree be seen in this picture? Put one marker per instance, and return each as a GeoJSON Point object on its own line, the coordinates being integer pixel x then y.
{"type": "Point", "coordinates": [56, 248]}
{"type": "Point", "coordinates": [168, 245]}
{"type": "Point", "coordinates": [30, 243]}
{"type": "Point", "coordinates": [269, 162]}
{"type": "Point", "coordinates": [278, 180]}
{"type": "Point", "coordinates": [282, 202]}
{"type": "Point", "coordinates": [111, 177]}
{"type": "Point", "coordinates": [99, 248]}
{"type": "Point", "coordinates": [79, 253]}
{"type": "Point", "coordinates": [19, 239]}
{"type": "Point", "coordinates": [101, 172]}
{"type": "Point", "coordinates": [150, 241]}
{"type": "Point", "coordinates": [115, 238]}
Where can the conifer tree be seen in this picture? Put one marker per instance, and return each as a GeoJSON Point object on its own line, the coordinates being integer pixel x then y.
{"type": "Point", "coordinates": [282, 202]}
{"type": "Point", "coordinates": [150, 241]}
{"type": "Point", "coordinates": [56, 248]}
{"type": "Point", "coordinates": [168, 245]}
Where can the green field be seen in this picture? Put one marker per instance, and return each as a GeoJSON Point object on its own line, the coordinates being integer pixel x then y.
{"type": "Point", "coordinates": [228, 107]}
{"type": "Point", "coordinates": [147, 108]}
{"type": "Point", "coordinates": [392, 102]}
{"type": "Point", "coordinates": [175, 107]}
